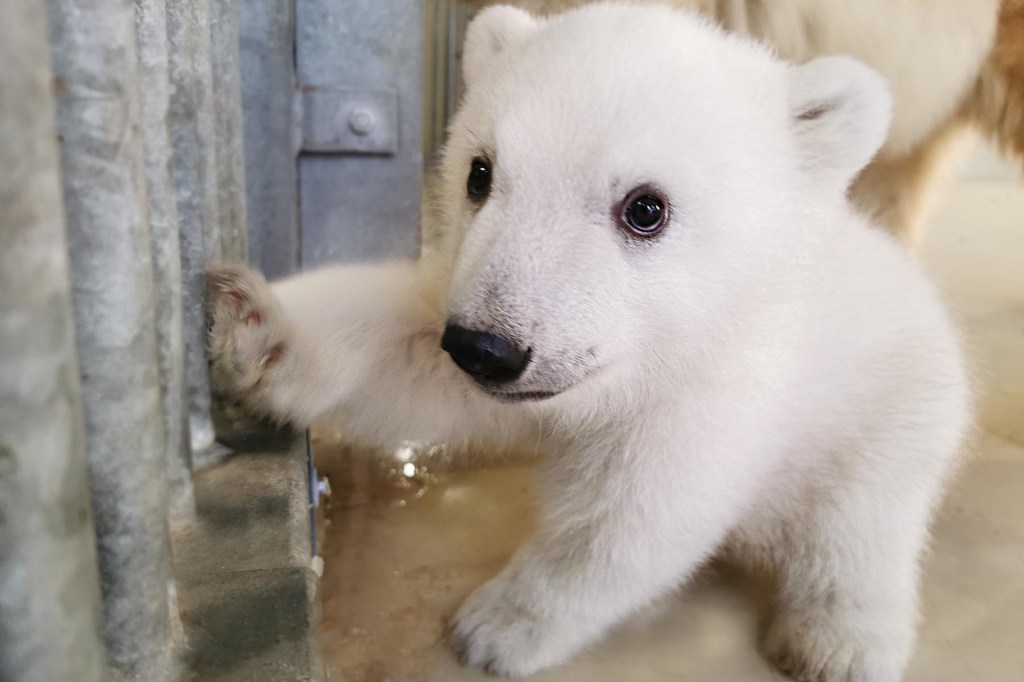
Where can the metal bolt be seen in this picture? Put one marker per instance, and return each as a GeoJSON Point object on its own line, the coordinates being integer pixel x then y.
{"type": "Point", "coordinates": [323, 487]}
{"type": "Point", "coordinates": [362, 121]}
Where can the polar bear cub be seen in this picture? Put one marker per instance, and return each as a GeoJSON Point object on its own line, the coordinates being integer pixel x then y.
{"type": "Point", "coordinates": [648, 263]}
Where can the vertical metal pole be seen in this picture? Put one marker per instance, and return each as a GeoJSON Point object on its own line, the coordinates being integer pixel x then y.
{"type": "Point", "coordinates": [96, 65]}
{"type": "Point", "coordinates": [195, 171]}
{"type": "Point", "coordinates": [49, 585]}
{"type": "Point", "coordinates": [267, 30]}
{"type": "Point", "coordinates": [227, 109]}
{"type": "Point", "coordinates": [151, 28]}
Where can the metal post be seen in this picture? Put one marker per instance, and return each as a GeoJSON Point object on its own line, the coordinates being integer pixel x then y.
{"type": "Point", "coordinates": [195, 171]}
{"type": "Point", "coordinates": [267, 29]}
{"type": "Point", "coordinates": [49, 586]}
{"type": "Point", "coordinates": [227, 109]}
{"type": "Point", "coordinates": [163, 232]}
{"type": "Point", "coordinates": [96, 65]}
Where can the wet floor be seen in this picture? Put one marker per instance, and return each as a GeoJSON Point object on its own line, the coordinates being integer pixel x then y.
{"type": "Point", "coordinates": [404, 546]}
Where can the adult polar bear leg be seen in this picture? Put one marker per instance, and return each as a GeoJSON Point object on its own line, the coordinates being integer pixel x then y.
{"type": "Point", "coordinates": [358, 344]}
{"type": "Point", "coordinates": [619, 527]}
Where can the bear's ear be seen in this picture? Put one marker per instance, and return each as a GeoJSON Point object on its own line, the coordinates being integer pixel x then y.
{"type": "Point", "coordinates": [840, 110]}
{"type": "Point", "coordinates": [490, 33]}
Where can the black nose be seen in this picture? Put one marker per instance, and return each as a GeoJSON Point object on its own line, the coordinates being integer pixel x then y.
{"type": "Point", "coordinates": [484, 356]}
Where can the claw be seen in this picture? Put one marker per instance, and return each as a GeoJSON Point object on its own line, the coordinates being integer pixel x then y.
{"type": "Point", "coordinates": [271, 356]}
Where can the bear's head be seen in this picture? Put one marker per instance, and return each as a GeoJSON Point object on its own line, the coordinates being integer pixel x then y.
{"type": "Point", "coordinates": [622, 185]}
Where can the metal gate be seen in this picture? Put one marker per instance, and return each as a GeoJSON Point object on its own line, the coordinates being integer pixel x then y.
{"type": "Point", "coordinates": [343, 101]}
{"type": "Point", "coordinates": [127, 166]}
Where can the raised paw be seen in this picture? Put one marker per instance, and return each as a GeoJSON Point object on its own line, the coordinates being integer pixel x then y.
{"type": "Point", "coordinates": [495, 631]}
{"type": "Point", "coordinates": [250, 337]}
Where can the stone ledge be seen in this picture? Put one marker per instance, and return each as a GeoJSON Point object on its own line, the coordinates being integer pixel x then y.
{"type": "Point", "coordinates": [252, 626]}
{"type": "Point", "coordinates": [248, 599]}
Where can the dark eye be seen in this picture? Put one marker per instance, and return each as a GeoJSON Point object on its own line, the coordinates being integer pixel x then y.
{"type": "Point", "coordinates": [478, 184]}
{"type": "Point", "coordinates": [644, 212]}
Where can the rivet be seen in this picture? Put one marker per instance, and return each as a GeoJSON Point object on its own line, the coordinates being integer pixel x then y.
{"type": "Point", "coordinates": [362, 121]}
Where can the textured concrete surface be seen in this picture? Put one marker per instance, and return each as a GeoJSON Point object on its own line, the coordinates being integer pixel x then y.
{"type": "Point", "coordinates": [248, 597]}
{"type": "Point", "coordinates": [252, 627]}
{"type": "Point", "coordinates": [252, 513]}
{"type": "Point", "coordinates": [96, 69]}
{"type": "Point", "coordinates": [49, 585]}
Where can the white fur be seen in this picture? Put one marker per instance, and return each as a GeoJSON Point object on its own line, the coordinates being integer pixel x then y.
{"type": "Point", "coordinates": [930, 51]}
{"type": "Point", "coordinates": [770, 374]}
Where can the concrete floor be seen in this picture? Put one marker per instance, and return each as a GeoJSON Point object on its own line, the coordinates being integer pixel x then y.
{"type": "Point", "coordinates": [402, 551]}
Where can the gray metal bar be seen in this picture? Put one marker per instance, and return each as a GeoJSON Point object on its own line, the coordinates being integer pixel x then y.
{"type": "Point", "coordinates": [96, 68]}
{"type": "Point", "coordinates": [227, 109]}
{"type": "Point", "coordinates": [357, 207]}
{"type": "Point", "coordinates": [267, 29]}
{"type": "Point", "coordinates": [49, 585]}
{"type": "Point", "coordinates": [195, 171]}
{"type": "Point", "coordinates": [163, 232]}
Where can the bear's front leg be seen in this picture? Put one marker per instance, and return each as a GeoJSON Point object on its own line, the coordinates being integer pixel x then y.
{"type": "Point", "coordinates": [359, 345]}
{"type": "Point", "coordinates": [618, 529]}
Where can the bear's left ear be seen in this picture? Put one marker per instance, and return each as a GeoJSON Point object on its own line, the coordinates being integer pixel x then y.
{"type": "Point", "coordinates": [840, 110]}
{"type": "Point", "coordinates": [490, 33]}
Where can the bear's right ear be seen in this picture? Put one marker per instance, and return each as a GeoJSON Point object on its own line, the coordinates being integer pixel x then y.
{"type": "Point", "coordinates": [840, 112]}
{"type": "Point", "coordinates": [490, 33]}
